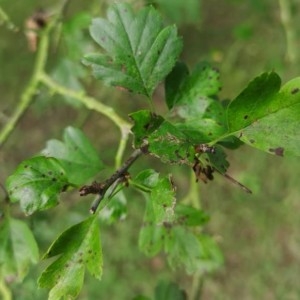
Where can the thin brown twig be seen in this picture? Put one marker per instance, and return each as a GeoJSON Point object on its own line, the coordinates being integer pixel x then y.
{"type": "Point", "coordinates": [119, 176]}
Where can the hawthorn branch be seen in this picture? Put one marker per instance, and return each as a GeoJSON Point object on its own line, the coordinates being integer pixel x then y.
{"type": "Point", "coordinates": [116, 178]}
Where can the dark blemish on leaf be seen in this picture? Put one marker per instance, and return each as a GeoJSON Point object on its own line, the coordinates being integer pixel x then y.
{"type": "Point", "coordinates": [64, 188]}
{"type": "Point", "coordinates": [90, 251]}
{"type": "Point", "coordinates": [43, 175]}
{"type": "Point", "coordinates": [295, 91]}
{"type": "Point", "coordinates": [252, 141]}
{"type": "Point", "coordinates": [80, 261]}
{"type": "Point", "coordinates": [67, 265]}
{"type": "Point", "coordinates": [210, 133]}
{"type": "Point", "coordinates": [240, 135]}
{"type": "Point", "coordinates": [277, 151]}
{"type": "Point", "coordinates": [54, 179]}
{"type": "Point", "coordinates": [61, 173]}
{"type": "Point", "coordinates": [26, 166]}
{"type": "Point", "coordinates": [246, 117]}
{"type": "Point", "coordinates": [50, 173]}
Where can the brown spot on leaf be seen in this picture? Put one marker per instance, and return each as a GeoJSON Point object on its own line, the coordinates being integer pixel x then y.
{"type": "Point", "coordinates": [252, 141]}
{"type": "Point", "coordinates": [246, 117]}
{"type": "Point", "coordinates": [295, 91]}
{"type": "Point", "coordinates": [277, 151]}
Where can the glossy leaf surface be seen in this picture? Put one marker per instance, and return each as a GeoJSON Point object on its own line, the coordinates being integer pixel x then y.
{"type": "Point", "coordinates": [266, 116]}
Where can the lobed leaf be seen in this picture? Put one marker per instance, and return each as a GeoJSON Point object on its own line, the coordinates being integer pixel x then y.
{"type": "Point", "coordinates": [266, 116]}
{"type": "Point", "coordinates": [166, 227]}
{"type": "Point", "coordinates": [195, 251]}
{"type": "Point", "coordinates": [171, 145]}
{"type": "Point", "coordinates": [18, 249]}
{"type": "Point", "coordinates": [77, 248]}
{"type": "Point", "coordinates": [76, 154]}
{"type": "Point", "coordinates": [145, 122]}
{"type": "Point", "coordinates": [140, 51]}
{"type": "Point", "coordinates": [36, 183]}
{"type": "Point", "coordinates": [192, 100]}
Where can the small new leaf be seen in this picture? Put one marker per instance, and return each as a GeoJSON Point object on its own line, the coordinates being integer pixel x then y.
{"type": "Point", "coordinates": [140, 51]}
{"type": "Point", "coordinates": [18, 249]}
{"type": "Point", "coordinates": [77, 248]}
{"type": "Point", "coordinates": [76, 154]}
{"type": "Point", "coordinates": [36, 184]}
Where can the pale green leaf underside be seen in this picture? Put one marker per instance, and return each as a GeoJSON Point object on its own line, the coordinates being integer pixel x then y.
{"type": "Point", "coordinates": [140, 51]}
{"type": "Point", "coordinates": [76, 154]}
{"type": "Point", "coordinates": [267, 117]}
{"type": "Point", "coordinates": [18, 249]}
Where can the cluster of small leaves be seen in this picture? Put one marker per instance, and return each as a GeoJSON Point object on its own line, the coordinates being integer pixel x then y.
{"type": "Point", "coordinates": [175, 229]}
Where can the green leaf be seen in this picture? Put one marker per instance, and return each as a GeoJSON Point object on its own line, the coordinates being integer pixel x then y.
{"type": "Point", "coordinates": [159, 213]}
{"type": "Point", "coordinates": [192, 250]}
{"type": "Point", "coordinates": [147, 179]}
{"type": "Point", "coordinates": [202, 82]}
{"type": "Point", "coordinates": [174, 82]}
{"type": "Point", "coordinates": [76, 154]}
{"type": "Point", "coordinates": [145, 122]}
{"type": "Point", "coordinates": [169, 291]}
{"type": "Point", "coordinates": [116, 209]}
{"type": "Point", "coordinates": [18, 249]}
{"type": "Point", "coordinates": [171, 145]}
{"type": "Point", "coordinates": [217, 159]}
{"type": "Point", "coordinates": [140, 51]}
{"type": "Point", "coordinates": [190, 216]}
{"type": "Point", "coordinates": [266, 116]}
{"type": "Point", "coordinates": [167, 227]}
{"type": "Point", "coordinates": [69, 72]}
{"type": "Point", "coordinates": [77, 248]}
{"type": "Point", "coordinates": [195, 111]}
{"type": "Point", "coordinates": [36, 183]}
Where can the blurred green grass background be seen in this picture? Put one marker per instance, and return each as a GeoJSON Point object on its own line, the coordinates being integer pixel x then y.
{"type": "Point", "coordinates": [257, 233]}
